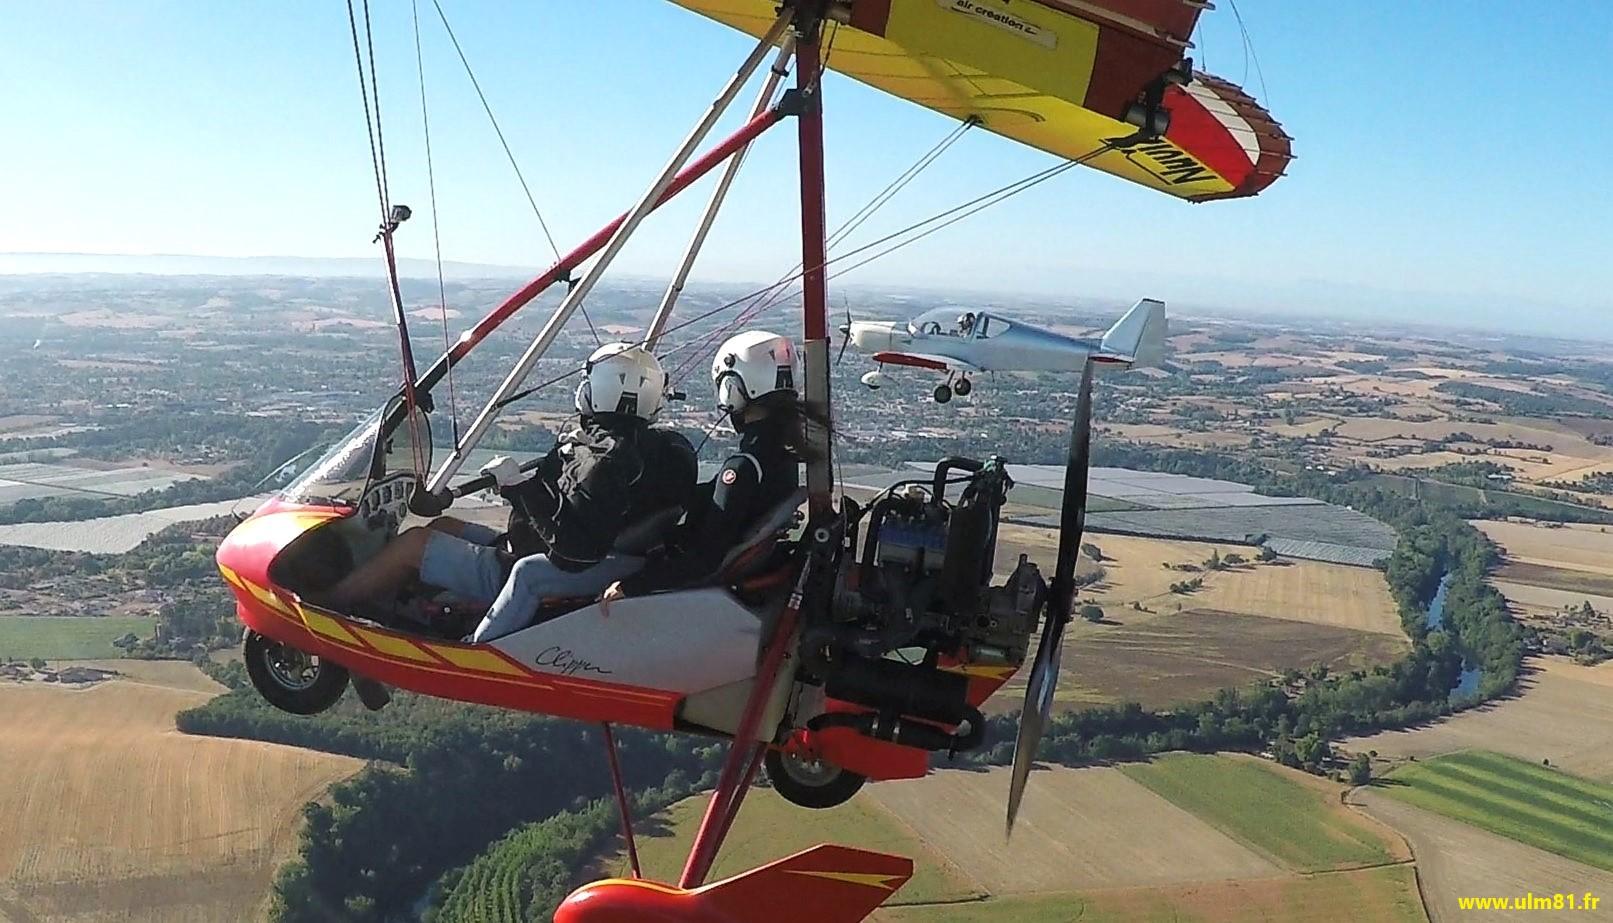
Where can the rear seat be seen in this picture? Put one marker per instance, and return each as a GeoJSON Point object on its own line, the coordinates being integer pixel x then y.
{"type": "Point", "coordinates": [754, 551]}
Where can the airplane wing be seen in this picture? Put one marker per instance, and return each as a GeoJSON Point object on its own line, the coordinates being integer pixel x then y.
{"type": "Point", "coordinates": [926, 361]}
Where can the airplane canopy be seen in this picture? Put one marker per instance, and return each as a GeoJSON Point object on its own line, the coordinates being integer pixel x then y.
{"type": "Point", "coordinates": [1059, 76]}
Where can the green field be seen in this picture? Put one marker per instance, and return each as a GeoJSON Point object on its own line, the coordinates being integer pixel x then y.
{"type": "Point", "coordinates": [24, 637]}
{"type": "Point", "coordinates": [1297, 825]}
{"type": "Point", "coordinates": [1386, 894]}
{"type": "Point", "coordinates": [770, 828]}
{"type": "Point", "coordinates": [1532, 804]}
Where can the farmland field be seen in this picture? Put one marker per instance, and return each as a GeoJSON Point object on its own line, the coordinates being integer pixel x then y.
{"type": "Point", "coordinates": [1546, 599]}
{"type": "Point", "coordinates": [1138, 570]}
{"type": "Point", "coordinates": [1382, 894]}
{"type": "Point", "coordinates": [1533, 804]}
{"type": "Point", "coordinates": [113, 814]}
{"type": "Point", "coordinates": [1293, 818]}
{"type": "Point", "coordinates": [1092, 844]}
{"type": "Point", "coordinates": [1079, 829]}
{"type": "Point", "coordinates": [1158, 659]}
{"type": "Point", "coordinates": [1459, 860]}
{"type": "Point", "coordinates": [23, 637]}
{"type": "Point", "coordinates": [1563, 712]}
{"type": "Point", "coordinates": [1568, 580]}
{"type": "Point", "coordinates": [1573, 547]}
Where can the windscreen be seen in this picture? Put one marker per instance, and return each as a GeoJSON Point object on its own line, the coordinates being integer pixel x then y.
{"type": "Point", "coordinates": [340, 475]}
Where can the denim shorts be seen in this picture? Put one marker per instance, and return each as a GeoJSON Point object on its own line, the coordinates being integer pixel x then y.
{"type": "Point", "coordinates": [467, 569]}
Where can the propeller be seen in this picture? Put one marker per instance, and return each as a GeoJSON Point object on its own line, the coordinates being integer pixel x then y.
{"type": "Point", "coordinates": [1044, 678]}
{"type": "Point", "coordinates": [845, 332]}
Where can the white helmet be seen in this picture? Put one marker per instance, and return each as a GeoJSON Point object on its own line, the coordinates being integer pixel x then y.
{"type": "Point", "coordinates": [622, 378]}
{"type": "Point", "coordinates": [752, 365]}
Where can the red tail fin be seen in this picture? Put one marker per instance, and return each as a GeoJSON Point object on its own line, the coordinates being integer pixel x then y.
{"type": "Point", "coordinates": [825, 884]}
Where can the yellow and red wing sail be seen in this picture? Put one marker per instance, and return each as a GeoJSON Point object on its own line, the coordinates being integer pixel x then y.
{"type": "Point", "coordinates": [1057, 75]}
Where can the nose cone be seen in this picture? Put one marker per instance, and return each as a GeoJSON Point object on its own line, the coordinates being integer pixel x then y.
{"type": "Point", "coordinates": [871, 336]}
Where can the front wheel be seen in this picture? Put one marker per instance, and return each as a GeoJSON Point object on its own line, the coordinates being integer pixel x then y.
{"type": "Point", "coordinates": [810, 783]}
{"type": "Point", "coordinates": [292, 680]}
{"type": "Point", "coordinates": [942, 394]}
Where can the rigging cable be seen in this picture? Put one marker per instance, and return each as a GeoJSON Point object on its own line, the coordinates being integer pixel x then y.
{"type": "Point", "coordinates": [389, 223]}
{"type": "Point", "coordinates": [510, 155]}
{"type": "Point", "coordinates": [953, 215]}
{"type": "Point", "coordinates": [1249, 53]}
{"type": "Point", "coordinates": [436, 230]}
{"type": "Point", "coordinates": [772, 294]}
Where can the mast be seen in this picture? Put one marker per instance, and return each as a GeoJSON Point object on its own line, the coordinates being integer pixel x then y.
{"type": "Point", "coordinates": [814, 283]}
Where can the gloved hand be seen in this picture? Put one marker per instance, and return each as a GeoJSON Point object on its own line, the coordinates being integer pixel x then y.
{"type": "Point", "coordinates": [505, 472]}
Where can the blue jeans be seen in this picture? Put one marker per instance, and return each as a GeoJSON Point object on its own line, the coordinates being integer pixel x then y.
{"type": "Point", "coordinates": [474, 572]}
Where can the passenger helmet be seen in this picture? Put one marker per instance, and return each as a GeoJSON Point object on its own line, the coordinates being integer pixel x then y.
{"type": "Point", "coordinates": [751, 366]}
{"type": "Point", "coordinates": [622, 378]}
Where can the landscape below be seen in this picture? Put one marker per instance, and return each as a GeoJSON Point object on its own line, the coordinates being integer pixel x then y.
{"type": "Point", "coordinates": [1367, 554]}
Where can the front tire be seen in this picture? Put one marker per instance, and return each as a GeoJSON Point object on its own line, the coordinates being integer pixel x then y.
{"type": "Point", "coordinates": [292, 680]}
{"type": "Point", "coordinates": [942, 394]}
{"type": "Point", "coordinates": [810, 783]}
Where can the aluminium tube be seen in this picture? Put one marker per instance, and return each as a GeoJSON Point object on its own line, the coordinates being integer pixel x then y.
{"type": "Point", "coordinates": [574, 298]}
{"type": "Point", "coordinates": [669, 300]}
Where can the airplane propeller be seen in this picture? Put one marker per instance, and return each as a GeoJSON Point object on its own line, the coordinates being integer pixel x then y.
{"type": "Point", "coordinates": [845, 333]}
{"type": "Point", "coordinates": [1038, 708]}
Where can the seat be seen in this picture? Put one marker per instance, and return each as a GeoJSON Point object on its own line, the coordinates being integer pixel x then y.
{"type": "Point", "coordinates": [648, 532]}
{"type": "Point", "coordinates": [752, 551]}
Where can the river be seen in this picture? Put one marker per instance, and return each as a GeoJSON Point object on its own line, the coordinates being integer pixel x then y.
{"type": "Point", "coordinates": [1467, 683]}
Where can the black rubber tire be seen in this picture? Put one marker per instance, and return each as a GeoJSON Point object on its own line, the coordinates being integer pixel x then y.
{"type": "Point", "coordinates": [963, 387]}
{"type": "Point", "coordinates": [834, 788]}
{"type": "Point", "coordinates": [942, 394]}
{"type": "Point", "coordinates": [328, 682]}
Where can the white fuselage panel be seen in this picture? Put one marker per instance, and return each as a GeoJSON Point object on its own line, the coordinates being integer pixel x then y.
{"type": "Point", "coordinates": [688, 641]}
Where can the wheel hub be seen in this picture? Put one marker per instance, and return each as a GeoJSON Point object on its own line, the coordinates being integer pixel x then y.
{"type": "Point", "coordinates": [291, 668]}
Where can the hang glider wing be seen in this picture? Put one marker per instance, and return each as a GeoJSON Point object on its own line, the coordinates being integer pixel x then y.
{"type": "Point", "coordinates": [1058, 75]}
{"type": "Point", "coordinates": [926, 361]}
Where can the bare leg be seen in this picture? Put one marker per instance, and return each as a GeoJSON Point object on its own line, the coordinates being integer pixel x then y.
{"type": "Point", "coordinates": [383, 575]}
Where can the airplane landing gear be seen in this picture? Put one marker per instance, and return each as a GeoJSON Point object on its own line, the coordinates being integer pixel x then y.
{"type": "Point", "coordinates": [292, 680]}
{"type": "Point", "coordinates": [810, 783]}
{"type": "Point", "coordinates": [963, 387]}
{"type": "Point", "coordinates": [943, 393]}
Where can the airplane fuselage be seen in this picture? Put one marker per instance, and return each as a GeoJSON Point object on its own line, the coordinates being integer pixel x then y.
{"type": "Point", "coordinates": [1019, 348]}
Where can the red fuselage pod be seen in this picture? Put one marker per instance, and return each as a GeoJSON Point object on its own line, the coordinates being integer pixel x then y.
{"type": "Point", "coordinates": [825, 884]}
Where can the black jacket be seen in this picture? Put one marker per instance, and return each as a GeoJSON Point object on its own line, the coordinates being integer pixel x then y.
{"type": "Point", "coordinates": [594, 483]}
{"type": "Point", "coordinates": [747, 487]}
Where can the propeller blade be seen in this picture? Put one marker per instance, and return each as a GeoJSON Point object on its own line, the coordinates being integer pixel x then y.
{"type": "Point", "coordinates": [1038, 708]}
{"type": "Point", "coordinates": [845, 336]}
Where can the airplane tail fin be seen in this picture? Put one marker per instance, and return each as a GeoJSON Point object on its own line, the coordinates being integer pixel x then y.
{"type": "Point", "coordinates": [1139, 336]}
{"type": "Point", "coordinates": [824, 884]}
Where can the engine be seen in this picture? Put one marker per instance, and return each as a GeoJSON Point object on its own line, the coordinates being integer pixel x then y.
{"type": "Point", "coordinates": [915, 593]}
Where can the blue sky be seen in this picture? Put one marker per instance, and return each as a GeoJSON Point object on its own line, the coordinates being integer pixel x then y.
{"type": "Point", "coordinates": [1450, 156]}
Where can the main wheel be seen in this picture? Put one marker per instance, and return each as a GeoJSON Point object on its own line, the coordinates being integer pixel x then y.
{"type": "Point", "coordinates": [292, 680]}
{"type": "Point", "coordinates": [963, 387]}
{"type": "Point", "coordinates": [942, 394]}
{"type": "Point", "coordinates": [810, 783]}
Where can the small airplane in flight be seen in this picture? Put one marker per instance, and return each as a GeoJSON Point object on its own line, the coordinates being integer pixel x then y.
{"type": "Point", "coordinates": [964, 343]}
